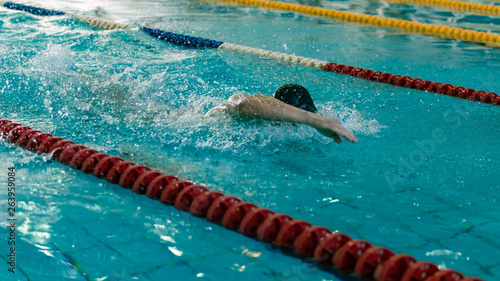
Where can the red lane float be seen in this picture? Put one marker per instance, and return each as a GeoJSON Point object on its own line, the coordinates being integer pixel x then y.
{"type": "Point", "coordinates": [35, 141]}
{"type": "Point", "coordinates": [219, 208]}
{"type": "Point", "coordinates": [329, 245]}
{"type": "Point", "coordinates": [141, 183]}
{"type": "Point", "coordinates": [45, 146]}
{"type": "Point", "coordinates": [57, 148]}
{"type": "Point", "coordinates": [104, 165]}
{"type": "Point", "coordinates": [370, 260]}
{"type": "Point", "coordinates": [170, 193]}
{"type": "Point", "coordinates": [414, 83]}
{"type": "Point", "coordinates": [446, 275]}
{"type": "Point", "coordinates": [394, 267]}
{"type": "Point", "coordinates": [201, 203]}
{"type": "Point", "coordinates": [156, 186]}
{"type": "Point", "coordinates": [253, 220]}
{"type": "Point", "coordinates": [235, 214]}
{"type": "Point", "coordinates": [187, 195]}
{"type": "Point", "coordinates": [269, 229]}
{"type": "Point", "coordinates": [91, 162]}
{"type": "Point", "coordinates": [131, 174]}
{"type": "Point", "coordinates": [347, 255]}
{"type": "Point", "coordinates": [68, 153]}
{"type": "Point", "coordinates": [290, 231]}
{"type": "Point", "coordinates": [17, 132]}
{"type": "Point", "coordinates": [79, 157]}
{"type": "Point", "coordinates": [306, 242]}
{"type": "Point", "coordinates": [116, 171]}
{"type": "Point", "coordinates": [420, 271]}
{"type": "Point", "coordinates": [3, 122]}
{"type": "Point", "coordinates": [24, 138]}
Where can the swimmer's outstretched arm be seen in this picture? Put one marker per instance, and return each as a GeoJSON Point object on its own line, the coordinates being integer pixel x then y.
{"type": "Point", "coordinates": [269, 108]}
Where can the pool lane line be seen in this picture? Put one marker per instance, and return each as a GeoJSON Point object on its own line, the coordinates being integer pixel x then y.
{"type": "Point", "coordinates": [93, 21]}
{"type": "Point", "coordinates": [346, 255]}
{"type": "Point", "coordinates": [456, 6]}
{"type": "Point", "coordinates": [31, 9]}
{"type": "Point", "coordinates": [490, 39]}
{"type": "Point", "coordinates": [415, 83]}
{"type": "Point", "coordinates": [181, 39]}
{"type": "Point", "coordinates": [101, 23]}
{"type": "Point", "coordinates": [367, 74]}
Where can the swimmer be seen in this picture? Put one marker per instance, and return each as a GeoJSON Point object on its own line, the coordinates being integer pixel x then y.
{"type": "Point", "coordinates": [290, 102]}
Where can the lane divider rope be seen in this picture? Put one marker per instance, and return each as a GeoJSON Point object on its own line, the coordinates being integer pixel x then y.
{"type": "Point", "coordinates": [490, 39]}
{"type": "Point", "coordinates": [276, 55]}
{"type": "Point", "coordinates": [182, 40]}
{"type": "Point", "coordinates": [367, 74]}
{"type": "Point", "coordinates": [93, 21]}
{"type": "Point", "coordinates": [335, 249]}
{"type": "Point", "coordinates": [458, 6]}
{"type": "Point", "coordinates": [415, 83]}
{"type": "Point", "coordinates": [32, 10]}
{"type": "Point", "coordinates": [100, 23]}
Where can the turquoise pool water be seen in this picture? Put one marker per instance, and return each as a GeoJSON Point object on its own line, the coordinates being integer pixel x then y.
{"type": "Point", "coordinates": [422, 180]}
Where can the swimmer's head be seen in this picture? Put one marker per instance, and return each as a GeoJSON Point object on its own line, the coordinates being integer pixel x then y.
{"type": "Point", "coordinates": [295, 95]}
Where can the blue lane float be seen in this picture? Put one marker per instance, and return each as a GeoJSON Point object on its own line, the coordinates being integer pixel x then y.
{"type": "Point", "coordinates": [33, 10]}
{"type": "Point", "coordinates": [182, 40]}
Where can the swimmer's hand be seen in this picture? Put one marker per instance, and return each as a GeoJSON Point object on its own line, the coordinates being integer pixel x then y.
{"type": "Point", "coordinates": [333, 129]}
{"type": "Point", "coordinates": [218, 109]}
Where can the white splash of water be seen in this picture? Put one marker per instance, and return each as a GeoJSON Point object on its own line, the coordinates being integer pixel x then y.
{"type": "Point", "coordinates": [350, 118]}
{"type": "Point", "coordinates": [55, 58]}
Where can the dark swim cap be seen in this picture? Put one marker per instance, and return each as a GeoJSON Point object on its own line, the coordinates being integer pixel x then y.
{"type": "Point", "coordinates": [295, 95]}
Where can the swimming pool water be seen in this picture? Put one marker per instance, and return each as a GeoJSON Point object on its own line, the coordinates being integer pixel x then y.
{"type": "Point", "coordinates": [423, 178]}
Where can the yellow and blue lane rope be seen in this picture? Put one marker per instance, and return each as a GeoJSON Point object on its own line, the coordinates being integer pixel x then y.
{"type": "Point", "coordinates": [202, 43]}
